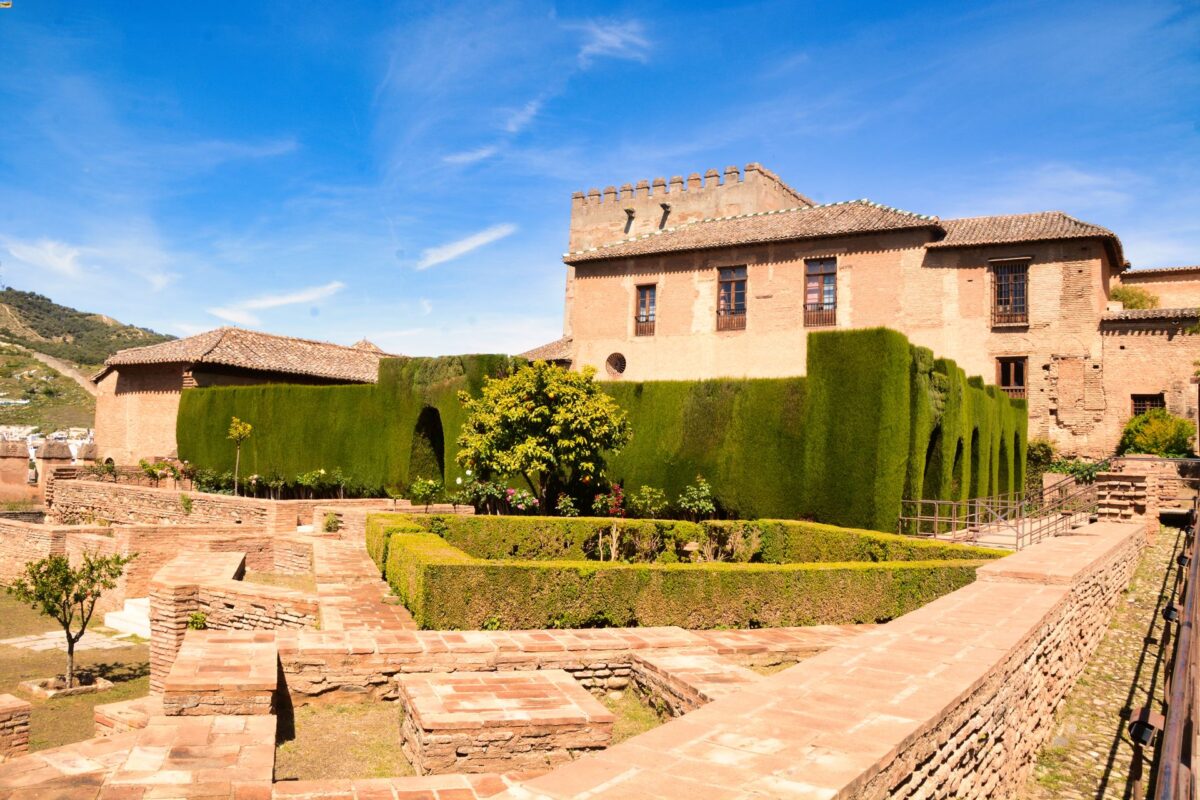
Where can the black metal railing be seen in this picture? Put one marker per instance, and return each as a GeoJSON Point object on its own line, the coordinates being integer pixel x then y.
{"type": "Point", "coordinates": [817, 315]}
{"type": "Point", "coordinates": [1017, 519]}
{"type": "Point", "coordinates": [643, 326]}
{"type": "Point", "coordinates": [1174, 780]}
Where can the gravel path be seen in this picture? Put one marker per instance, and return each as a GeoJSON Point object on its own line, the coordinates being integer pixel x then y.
{"type": "Point", "coordinates": [1090, 754]}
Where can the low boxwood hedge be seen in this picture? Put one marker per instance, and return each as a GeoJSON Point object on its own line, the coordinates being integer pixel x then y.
{"type": "Point", "coordinates": [445, 588]}
{"type": "Point", "coordinates": [575, 538]}
{"type": "Point", "coordinates": [455, 572]}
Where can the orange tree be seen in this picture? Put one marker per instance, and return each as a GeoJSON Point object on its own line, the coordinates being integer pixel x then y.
{"type": "Point", "coordinates": [549, 426]}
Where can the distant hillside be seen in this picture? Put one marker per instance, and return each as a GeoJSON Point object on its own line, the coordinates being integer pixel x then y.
{"type": "Point", "coordinates": [40, 324]}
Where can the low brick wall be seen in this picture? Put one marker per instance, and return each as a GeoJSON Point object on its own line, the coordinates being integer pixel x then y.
{"type": "Point", "coordinates": [79, 501]}
{"type": "Point", "coordinates": [208, 584]}
{"type": "Point", "coordinates": [14, 727]}
{"type": "Point", "coordinates": [352, 522]}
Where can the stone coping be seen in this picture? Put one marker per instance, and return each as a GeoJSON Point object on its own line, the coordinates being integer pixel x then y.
{"type": "Point", "coordinates": [1062, 560]}
{"type": "Point", "coordinates": [220, 661]}
{"type": "Point", "coordinates": [460, 701]}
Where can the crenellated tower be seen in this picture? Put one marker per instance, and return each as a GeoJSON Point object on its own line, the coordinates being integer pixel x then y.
{"type": "Point", "coordinates": [602, 217]}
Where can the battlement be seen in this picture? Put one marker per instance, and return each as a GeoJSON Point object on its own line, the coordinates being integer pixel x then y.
{"type": "Point", "coordinates": [600, 217]}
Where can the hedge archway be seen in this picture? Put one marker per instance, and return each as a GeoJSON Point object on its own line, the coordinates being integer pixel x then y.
{"type": "Point", "coordinates": [428, 454]}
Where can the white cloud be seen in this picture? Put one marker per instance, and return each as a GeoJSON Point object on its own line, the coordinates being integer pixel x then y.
{"type": "Point", "coordinates": [451, 250]}
{"type": "Point", "coordinates": [608, 39]}
{"type": "Point", "coordinates": [240, 313]}
{"type": "Point", "coordinates": [426, 306]}
{"type": "Point", "coordinates": [519, 119]}
{"type": "Point", "coordinates": [471, 156]}
{"type": "Point", "coordinates": [55, 256]}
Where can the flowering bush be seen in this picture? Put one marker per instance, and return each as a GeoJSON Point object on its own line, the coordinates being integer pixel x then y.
{"type": "Point", "coordinates": [423, 491]}
{"type": "Point", "coordinates": [521, 500]}
{"type": "Point", "coordinates": [610, 504]}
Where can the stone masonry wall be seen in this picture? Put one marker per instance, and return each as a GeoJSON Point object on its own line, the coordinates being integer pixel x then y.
{"type": "Point", "coordinates": [122, 503]}
{"type": "Point", "coordinates": [14, 727]}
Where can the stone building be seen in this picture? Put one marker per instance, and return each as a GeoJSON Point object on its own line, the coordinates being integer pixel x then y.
{"type": "Point", "coordinates": [725, 276]}
{"type": "Point", "coordinates": [140, 387]}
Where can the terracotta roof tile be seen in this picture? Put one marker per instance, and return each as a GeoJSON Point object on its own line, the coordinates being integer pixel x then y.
{"type": "Point", "coordinates": [1133, 314]}
{"type": "Point", "coordinates": [265, 352]}
{"type": "Point", "coordinates": [558, 350]}
{"type": "Point", "coordinates": [54, 450]}
{"type": "Point", "coordinates": [1137, 273]}
{"type": "Point", "coordinates": [1042, 226]}
{"type": "Point", "coordinates": [805, 222]}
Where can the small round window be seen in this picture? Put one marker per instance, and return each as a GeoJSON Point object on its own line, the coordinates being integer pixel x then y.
{"type": "Point", "coordinates": [615, 364]}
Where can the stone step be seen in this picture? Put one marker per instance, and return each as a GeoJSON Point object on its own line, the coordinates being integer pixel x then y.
{"type": "Point", "coordinates": [141, 604]}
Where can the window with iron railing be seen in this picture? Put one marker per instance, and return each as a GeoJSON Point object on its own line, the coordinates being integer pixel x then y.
{"type": "Point", "coordinates": [643, 321]}
{"type": "Point", "coordinates": [820, 292]}
{"type": "Point", "coordinates": [1010, 375]}
{"type": "Point", "coordinates": [1144, 402]}
{"type": "Point", "coordinates": [731, 299]}
{"type": "Point", "coordinates": [1010, 292]}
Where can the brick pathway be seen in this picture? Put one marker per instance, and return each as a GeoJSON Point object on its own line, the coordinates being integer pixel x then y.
{"type": "Point", "coordinates": [1090, 754]}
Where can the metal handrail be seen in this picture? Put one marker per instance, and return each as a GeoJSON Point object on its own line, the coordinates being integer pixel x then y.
{"type": "Point", "coordinates": [1173, 779]}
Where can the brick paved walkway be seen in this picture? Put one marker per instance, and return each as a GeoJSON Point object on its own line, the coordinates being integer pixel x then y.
{"type": "Point", "coordinates": [1090, 755]}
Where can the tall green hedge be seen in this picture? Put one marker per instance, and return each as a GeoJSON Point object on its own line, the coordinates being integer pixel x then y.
{"type": "Point", "coordinates": [875, 420]}
{"type": "Point", "coordinates": [367, 430]}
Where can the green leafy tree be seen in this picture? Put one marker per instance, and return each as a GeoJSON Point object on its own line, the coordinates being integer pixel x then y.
{"type": "Point", "coordinates": [1158, 432]}
{"type": "Point", "coordinates": [68, 594]}
{"type": "Point", "coordinates": [546, 424]}
{"type": "Point", "coordinates": [648, 502]}
{"type": "Point", "coordinates": [1134, 297]}
{"type": "Point", "coordinates": [696, 501]}
{"type": "Point", "coordinates": [422, 491]}
{"type": "Point", "coordinates": [239, 432]}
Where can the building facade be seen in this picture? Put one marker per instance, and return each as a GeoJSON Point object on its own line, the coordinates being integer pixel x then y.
{"type": "Point", "coordinates": [140, 388]}
{"type": "Point", "coordinates": [726, 276]}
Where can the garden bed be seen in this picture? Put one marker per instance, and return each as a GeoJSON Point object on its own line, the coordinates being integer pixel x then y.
{"type": "Point", "coordinates": [531, 572]}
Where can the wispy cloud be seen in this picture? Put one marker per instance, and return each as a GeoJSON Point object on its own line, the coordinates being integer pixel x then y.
{"type": "Point", "coordinates": [460, 247]}
{"type": "Point", "coordinates": [58, 257]}
{"type": "Point", "coordinates": [471, 156]}
{"type": "Point", "coordinates": [613, 39]}
{"type": "Point", "coordinates": [426, 306]}
{"type": "Point", "coordinates": [523, 116]}
{"type": "Point", "coordinates": [242, 313]}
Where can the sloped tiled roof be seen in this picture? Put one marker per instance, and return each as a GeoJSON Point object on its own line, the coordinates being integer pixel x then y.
{"type": "Point", "coordinates": [11, 449]}
{"type": "Point", "coordinates": [805, 222]}
{"type": "Point", "coordinates": [1137, 273]}
{"type": "Point", "coordinates": [1134, 314]}
{"type": "Point", "coordinates": [558, 350]}
{"type": "Point", "coordinates": [1043, 226]}
{"type": "Point", "coordinates": [54, 450]}
{"type": "Point", "coordinates": [264, 352]}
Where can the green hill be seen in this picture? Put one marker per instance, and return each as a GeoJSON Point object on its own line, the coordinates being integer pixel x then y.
{"type": "Point", "coordinates": [40, 324]}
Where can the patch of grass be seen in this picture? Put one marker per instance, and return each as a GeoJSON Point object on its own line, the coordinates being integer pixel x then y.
{"type": "Point", "coordinates": [352, 740]}
{"type": "Point", "coordinates": [634, 715]}
{"type": "Point", "coordinates": [66, 719]}
{"type": "Point", "coordinates": [303, 582]}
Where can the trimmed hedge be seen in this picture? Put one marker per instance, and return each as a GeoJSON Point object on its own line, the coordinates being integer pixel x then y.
{"type": "Point", "coordinates": [366, 430]}
{"type": "Point", "coordinates": [875, 420]}
{"type": "Point", "coordinates": [574, 538]}
{"type": "Point", "coordinates": [445, 588]}
{"type": "Point", "coordinates": [847, 576]}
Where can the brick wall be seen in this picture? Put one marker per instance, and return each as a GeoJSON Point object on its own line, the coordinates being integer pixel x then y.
{"type": "Point", "coordinates": [136, 411]}
{"type": "Point", "coordinates": [1173, 289]}
{"type": "Point", "coordinates": [1177, 480]}
{"type": "Point", "coordinates": [21, 542]}
{"type": "Point", "coordinates": [14, 727]}
{"type": "Point", "coordinates": [209, 584]}
{"type": "Point", "coordinates": [122, 503]}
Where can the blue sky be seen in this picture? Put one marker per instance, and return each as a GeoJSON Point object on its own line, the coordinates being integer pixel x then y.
{"type": "Point", "coordinates": [403, 171]}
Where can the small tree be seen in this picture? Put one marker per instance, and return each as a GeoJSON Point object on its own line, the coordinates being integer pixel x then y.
{"type": "Point", "coordinates": [68, 594]}
{"type": "Point", "coordinates": [544, 423]}
{"type": "Point", "coordinates": [422, 491]}
{"type": "Point", "coordinates": [648, 502]}
{"type": "Point", "coordinates": [238, 432]}
{"type": "Point", "coordinates": [1159, 433]}
{"type": "Point", "coordinates": [696, 502]}
{"type": "Point", "coordinates": [1133, 297]}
